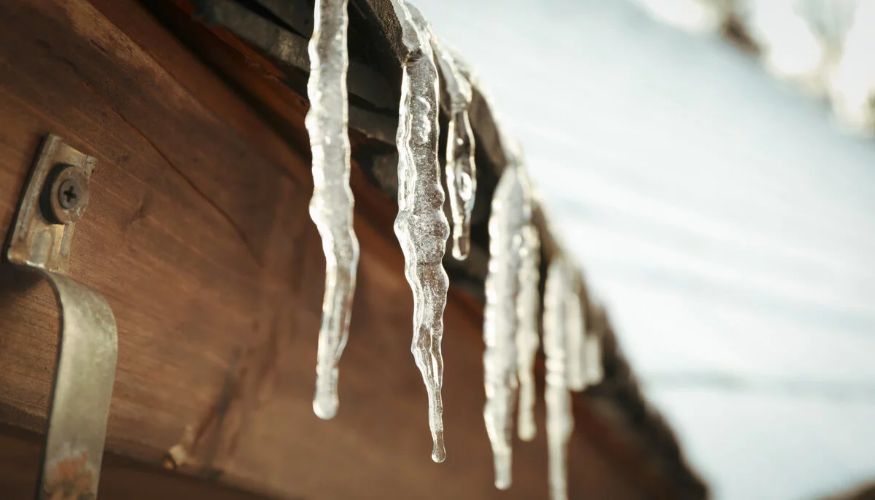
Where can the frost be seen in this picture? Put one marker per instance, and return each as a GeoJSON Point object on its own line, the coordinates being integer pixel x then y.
{"type": "Point", "coordinates": [527, 331]}
{"type": "Point", "coordinates": [461, 171]}
{"type": "Point", "coordinates": [558, 296]}
{"type": "Point", "coordinates": [509, 295]}
{"type": "Point", "coordinates": [332, 204]}
{"type": "Point", "coordinates": [421, 226]}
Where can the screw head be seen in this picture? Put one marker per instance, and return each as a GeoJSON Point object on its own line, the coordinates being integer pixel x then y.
{"type": "Point", "coordinates": [67, 194]}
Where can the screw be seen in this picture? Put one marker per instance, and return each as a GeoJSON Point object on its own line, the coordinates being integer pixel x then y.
{"type": "Point", "coordinates": [66, 194]}
{"type": "Point", "coordinates": [69, 193]}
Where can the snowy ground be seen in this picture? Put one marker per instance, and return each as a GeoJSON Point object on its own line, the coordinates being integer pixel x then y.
{"type": "Point", "coordinates": [725, 222]}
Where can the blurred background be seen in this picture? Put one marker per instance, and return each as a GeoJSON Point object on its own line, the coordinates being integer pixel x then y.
{"type": "Point", "coordinates": [710, 164]}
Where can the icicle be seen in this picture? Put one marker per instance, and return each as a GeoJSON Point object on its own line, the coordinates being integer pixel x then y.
{"type": "Point", "coordinates": [332, 203]}
{"type": "Point", "coordinates": [421, 226]}
{"type": "Point", "coordinates": [593, 359]}
{"type": "Point", "coordinates": [559, 290]}
{"type": "Point", "coordinates": [511, 215]}
{"type": "Point", "coordinates": [584, 344]}
{"type": "Point", "coordinates": [575, 334]}
{"type": "Point", "coordinates": [461, 171]}
{"type": "Point", "coordinates": [527, 331]}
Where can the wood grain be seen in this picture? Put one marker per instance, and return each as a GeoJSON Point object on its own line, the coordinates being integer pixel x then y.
{"type": "Point", "coordinates": [121, 477]}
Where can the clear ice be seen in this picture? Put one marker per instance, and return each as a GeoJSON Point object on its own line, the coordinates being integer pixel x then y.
{"type": "Point", "coordinates": [528, 318]}
{"type": "Point", "coordinates": [592, 359]}
{"type": "Point", "coordinates": [461, 170]}
{"type": "Point", "coordinates": [421, 226]}
{"type": "Point", "coordinates": [575, 328]}
{"type": "Point", "coordinates": [574, 362]}
{"type": "Point", "coordinates": [558, 296]}
{"type": "Point", "coordinates": [331, 207]}
{"type": "Point", "coordinates": [509, 296]}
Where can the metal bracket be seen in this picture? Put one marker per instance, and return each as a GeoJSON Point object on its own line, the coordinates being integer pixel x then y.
{"type": "Point", "coordinates": [55, 197]}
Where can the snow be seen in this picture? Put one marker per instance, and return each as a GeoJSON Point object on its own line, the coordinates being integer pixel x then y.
{"type": "Point", "coordinates": [723, 220]}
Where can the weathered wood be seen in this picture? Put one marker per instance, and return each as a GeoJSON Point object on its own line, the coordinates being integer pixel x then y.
{"type": "Point", "coordinates": [198, 235]}
{"type": "Point", "coordinates": [121, 478]}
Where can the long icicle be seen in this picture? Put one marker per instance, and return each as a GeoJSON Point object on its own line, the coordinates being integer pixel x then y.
{"type": "Point", "coordinates": [331, 207]}
{"type": "Point", "coordinates": [585, 343]}
{"type": "Point", "coordinates": [421, 226]}
{"type": "Point", "coordinates": [511, 213]}
{"type": "Point", "coordinates": [593, 359]}
{"type": "Point", "coordinates": [527, 332]}
{"type": "Point", "coordinates": [558, 398]}
{"type": "Point", "coordinates": [575, 324]}
{"type": "Point", "coordinates": [592, 349]}
{"type": "Point", "coordinates": [461, 170]}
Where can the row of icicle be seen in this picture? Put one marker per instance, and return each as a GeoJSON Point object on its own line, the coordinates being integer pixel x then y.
{"type": "Point", "coordinates": [512, 301]}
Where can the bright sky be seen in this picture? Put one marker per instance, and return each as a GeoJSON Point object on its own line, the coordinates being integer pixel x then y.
{"type": "Point", "coordinates": [724, 221]}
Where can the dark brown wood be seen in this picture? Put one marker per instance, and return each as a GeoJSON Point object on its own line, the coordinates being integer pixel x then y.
{"type": "Point", "coordinates": [120, 478]}
{"type": "Point", "coordinates": [198, 235]}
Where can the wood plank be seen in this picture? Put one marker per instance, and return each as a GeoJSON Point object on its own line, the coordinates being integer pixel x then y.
{"type": "Point", "coordinates": [120, 477]}
{"type": "Point", "coordinates": [198, 235]}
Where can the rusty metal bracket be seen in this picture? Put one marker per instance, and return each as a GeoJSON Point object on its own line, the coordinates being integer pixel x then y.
{"type": "Point", "coordinates": [55, 198]}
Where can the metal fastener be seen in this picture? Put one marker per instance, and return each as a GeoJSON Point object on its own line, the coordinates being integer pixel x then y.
{"type": "Point", "coordinates": [69, 194]}
{"type": "Point", "coordinates": [88, 342]}
{"type": "Point", "coordinates": [66, 195]}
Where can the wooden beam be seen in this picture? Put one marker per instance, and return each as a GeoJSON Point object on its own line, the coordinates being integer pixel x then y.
{"type": "Point", "coordinates": [121, 478]}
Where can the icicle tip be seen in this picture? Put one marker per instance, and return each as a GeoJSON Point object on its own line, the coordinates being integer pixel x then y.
{"type": "Point", "coordinates": [326, 401]}
{"type": "Point", "coordinates": [323, 410]}
{"type": "Point", "coordinates": [461, 243]}
{"type": "Point", "coordinates": [526, 430]}
{"type": "Point", "coordinates": [502, 471]}
{"type": "Point", "coordinates": [438, 452]}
